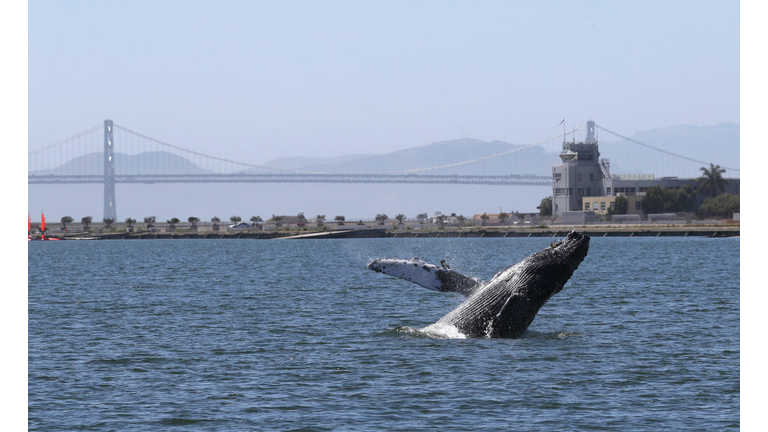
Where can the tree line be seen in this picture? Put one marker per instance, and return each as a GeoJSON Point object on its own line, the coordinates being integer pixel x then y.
{"type": "Point", "coordinates": [257, 222]}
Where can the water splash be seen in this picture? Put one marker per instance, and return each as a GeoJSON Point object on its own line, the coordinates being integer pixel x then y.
{"type": "Point", "coordinates": [434, 331]}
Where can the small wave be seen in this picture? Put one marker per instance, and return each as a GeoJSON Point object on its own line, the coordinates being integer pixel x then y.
{"type": "Point", "coordinates": [550, 335]}
{"type": "Point", "coordinates": [128, 360]}
{"type": "Point", "coordinates": [179, 421]}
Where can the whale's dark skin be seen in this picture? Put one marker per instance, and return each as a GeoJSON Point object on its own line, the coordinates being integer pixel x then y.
{"type": "Point", "coordinates": [506, 306]}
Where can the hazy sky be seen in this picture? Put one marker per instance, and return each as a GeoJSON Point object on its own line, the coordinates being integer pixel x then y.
{"type": "Point", "coordinates": [258, 80]}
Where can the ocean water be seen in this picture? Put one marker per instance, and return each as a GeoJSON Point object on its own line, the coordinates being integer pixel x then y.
{"type": "Point", "coordinates": [298, 335]}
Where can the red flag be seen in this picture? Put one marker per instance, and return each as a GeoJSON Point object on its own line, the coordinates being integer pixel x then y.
{"type": "Point", "coordinates": [42, 224]}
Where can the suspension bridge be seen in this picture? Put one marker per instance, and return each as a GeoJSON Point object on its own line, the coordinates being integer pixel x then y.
{"type": "Point", "coordinates": [109, 153]}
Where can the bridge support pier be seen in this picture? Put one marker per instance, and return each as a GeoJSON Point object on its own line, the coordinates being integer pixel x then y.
{"type": "Point", "coordinates": [109, 172]}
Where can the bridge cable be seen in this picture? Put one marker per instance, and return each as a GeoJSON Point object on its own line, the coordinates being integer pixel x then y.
{"type": "Point", "coordinates": [73, 137]}
{"type": "Point", "coordinates": [662, 150]}
{"type": "Point", "coordinates": [204, 155]}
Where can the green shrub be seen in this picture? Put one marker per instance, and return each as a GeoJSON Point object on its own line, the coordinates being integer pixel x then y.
{"type": "Point", "coordinates": [669, 200]}
{"type": "Point", "coordinates": [723, 205]}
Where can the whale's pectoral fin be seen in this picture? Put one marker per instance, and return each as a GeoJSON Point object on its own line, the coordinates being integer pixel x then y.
{"type": "Point", "coordinates": [509, 322]}
{"type": "Point", "coordinates": [427, 275]}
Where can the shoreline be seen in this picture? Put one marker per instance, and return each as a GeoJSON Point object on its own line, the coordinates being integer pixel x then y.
{"type": "Point", "coordinates": [553, 231]}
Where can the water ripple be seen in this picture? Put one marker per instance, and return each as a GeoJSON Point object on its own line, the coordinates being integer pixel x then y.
{"type": "Point", "coordinates": [280, 335]}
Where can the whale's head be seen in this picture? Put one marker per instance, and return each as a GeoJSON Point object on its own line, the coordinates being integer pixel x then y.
{"type": "Point", "coordinates": [561, 259]}
{"type": "Point", "coordinates": [573, 249]}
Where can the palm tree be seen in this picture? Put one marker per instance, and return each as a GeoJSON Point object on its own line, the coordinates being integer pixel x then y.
{"type": "Point", "coordinates": [257, 221]}
{"type": "Point", "coordinates": [150, 221]}
{"type": "Point", "coordinates": [108, 223]}
{"type": "Point", "coordinates": [129, 222]}
{"type": "Point", "coordinates": [422, 217]}
{"type": "Point", "coordinates": [484, 218]}
{"type": "Point", "coordinates": [193, 220]}
{"type": "Point", "coordinates": [172, 223]}
{"type": "Point", "coordinates": [215, 221]}
{"type": "Point", "coordinates": [340, 219]}
{"type": "Point", "coordinates": [400, 218]}
{"type": "Point", "coordinates": [235, 219]}
{"type": "Point", "coordinates": [86, 221]}
{"type": "Point", "coordinates": [711, 180]}
{"type": "Point", "coordinates": [66, 220]}
{"type": "Point", "coordinates": [503, 216]}
{"type": "Point", "coordinates": [381, 217]}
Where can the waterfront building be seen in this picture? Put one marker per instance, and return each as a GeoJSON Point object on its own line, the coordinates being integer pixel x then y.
{"type": "Point", "coordinates": [583, 181]}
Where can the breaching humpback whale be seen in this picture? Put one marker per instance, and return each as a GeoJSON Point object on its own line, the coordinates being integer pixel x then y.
{"type": "Point", "coordinates": [505, 306]}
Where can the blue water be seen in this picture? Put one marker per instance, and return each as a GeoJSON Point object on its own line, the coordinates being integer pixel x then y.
{"type": "Point", "coordinates": [298, 335]}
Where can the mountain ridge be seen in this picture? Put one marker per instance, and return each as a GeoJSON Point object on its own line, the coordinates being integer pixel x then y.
{"type": "Point", "coordinates": [717, 143]}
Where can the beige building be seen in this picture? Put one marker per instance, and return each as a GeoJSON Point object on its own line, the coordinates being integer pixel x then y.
{"type": "Point", "coordinates": [601, 204]}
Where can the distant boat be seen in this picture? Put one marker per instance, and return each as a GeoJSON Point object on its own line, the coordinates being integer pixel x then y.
{"type": "Point", "coordinates": [42, 229]}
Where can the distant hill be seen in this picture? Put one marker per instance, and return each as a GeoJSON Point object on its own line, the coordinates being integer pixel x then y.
{"type": "Point", "coordinates": [152, 163]}
{"type": "Point", "coordinates": [431, 155]}
{"type": "Point", "coordinates": [299, 162]}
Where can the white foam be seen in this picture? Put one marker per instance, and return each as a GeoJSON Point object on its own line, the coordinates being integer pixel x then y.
{"type": "Point", "coordinates": [443, 331]}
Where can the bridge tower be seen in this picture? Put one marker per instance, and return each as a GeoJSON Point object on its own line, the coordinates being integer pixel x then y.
{"type": "Point", "coordinates": [109, 172]}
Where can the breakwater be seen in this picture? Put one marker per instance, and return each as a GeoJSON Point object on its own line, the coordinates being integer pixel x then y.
{"type": "Point", "coordinates": [558, 231]}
